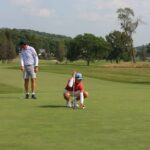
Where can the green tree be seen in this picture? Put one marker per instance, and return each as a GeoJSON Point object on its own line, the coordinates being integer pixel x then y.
{"type": "Point", "coordinates": [128, 25]}
{"type": "Point", "coordinates": [73, 49]}
{"type": "Point", "coordinates": [7, 48]}
{"type": "Point", "coordinates": [119, 43]}
{"type": "Point", "coordinates": [61, 51]}
{"type": "Point", "coordinates": [3, 48]}
{"type": "Point", "coordinates": [11, 52]}
{"type": "Point", "coordinates": [87, 47]}
{"type": "Point", "coordinates": [39, 40]}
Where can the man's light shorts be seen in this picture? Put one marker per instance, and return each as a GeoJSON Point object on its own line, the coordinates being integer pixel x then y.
{"type": "Point", "coordinates": [29, 72]}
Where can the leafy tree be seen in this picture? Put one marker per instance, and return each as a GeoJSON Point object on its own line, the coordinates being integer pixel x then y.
{"type": "Point", "coordinates": [11, 52]}
{"type": "Point", "coordinates": [7, 48]}
{"type": "Point", "coordinates": [73, 49]}
{"type": "Point", "coordinates": [39, 40]}
{"type": "Point", "coordinates": [61, 51]}
{"type": "Point", "coordinates": [3, 48]}
{"type": "Point", "coordinates": [52, 46]}
{"type": "Point", "coordinates": [128, 25]}
{"type": "Point", "coordinates": [119, 42]}
{"type": "Point", "coordinates": [103, 48]}
{"type": "Point", "coordinates": [87, 47]}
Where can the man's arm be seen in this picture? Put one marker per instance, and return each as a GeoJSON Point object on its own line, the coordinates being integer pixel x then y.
{"type": "Point", "coordinates": [21, 62]}
{"type": "Point", "coordinates": [36, 63]}
{"type": "Point", "coordinates": [36, 60]}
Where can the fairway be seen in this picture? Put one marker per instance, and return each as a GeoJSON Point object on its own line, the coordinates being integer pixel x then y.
{"type": "Point", "coordinates": [117, 114]}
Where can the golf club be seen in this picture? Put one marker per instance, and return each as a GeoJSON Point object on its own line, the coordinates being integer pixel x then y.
{"type": "Point", "coordinates": [73, 93]}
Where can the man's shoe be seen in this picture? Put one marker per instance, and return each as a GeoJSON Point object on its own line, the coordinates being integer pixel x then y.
{"type": "Point", "coordinates": [27, 96]}
{"type": "Point", "coordinates": [33, 96]}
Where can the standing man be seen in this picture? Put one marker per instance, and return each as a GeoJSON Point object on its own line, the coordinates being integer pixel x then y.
{"type": "Point", "coordinates": [29, 67]}
{"type": "Point", "coordinates": [75, 89]}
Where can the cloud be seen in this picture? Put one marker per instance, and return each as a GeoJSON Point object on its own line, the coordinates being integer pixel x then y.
{"type": "Point", "coordinates": [95, 17]}
{"type": "Point", "coordinates": [23, 2]}
{"type": "Point", "coordinates": [95, 11]}
{"type": "Point", "coordinates": [107, 4]}
{"type": "Point", "coordinates": [32, 7]}
{"type": "Point", "coordinates": [98, 10]}
{"type": "Point", "coordinates": [43, 12]}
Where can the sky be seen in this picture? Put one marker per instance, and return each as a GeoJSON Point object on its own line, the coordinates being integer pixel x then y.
{"type": "Point", "coordinates": [74, 17]}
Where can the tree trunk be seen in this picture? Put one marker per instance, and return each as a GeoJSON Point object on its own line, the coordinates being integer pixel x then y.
{"type": "Point", "coordinates": [88, 62]}
{"type": "Point", "coordinates": [133, 55]}
{"type": "Point", "coordinates": [117, 61]}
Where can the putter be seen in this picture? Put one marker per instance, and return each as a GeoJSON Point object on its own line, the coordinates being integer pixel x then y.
{"type": "Point", "coordinates": [73, 97]}
{"type": "Point", "coordinates": [73, 94]}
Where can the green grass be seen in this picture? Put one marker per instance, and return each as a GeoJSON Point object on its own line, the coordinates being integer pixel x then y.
{"type": "Point", "coordinates": [116, 117]}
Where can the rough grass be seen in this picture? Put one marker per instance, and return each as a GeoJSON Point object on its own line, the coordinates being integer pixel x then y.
{"type": "Point", "coordinates": [138, 73]}
{"type": "Point", "coordinates": [130, 74]}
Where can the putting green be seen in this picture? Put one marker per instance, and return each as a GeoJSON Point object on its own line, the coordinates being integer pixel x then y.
{"type": "Point", "coordinates": [116, 115]}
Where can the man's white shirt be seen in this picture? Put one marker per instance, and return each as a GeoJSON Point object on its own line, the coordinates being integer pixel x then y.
{"type": "Point", "coordinates": [29, 56]}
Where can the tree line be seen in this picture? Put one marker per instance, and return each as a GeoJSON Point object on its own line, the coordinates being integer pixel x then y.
{"type": "Point", "coordinates": [116, 46]}
{"type": "Point", "coordinates": [10, 38]}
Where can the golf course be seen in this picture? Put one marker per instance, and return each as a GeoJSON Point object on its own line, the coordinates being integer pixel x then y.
{"type": "Point", "coordinates": [117, 114]}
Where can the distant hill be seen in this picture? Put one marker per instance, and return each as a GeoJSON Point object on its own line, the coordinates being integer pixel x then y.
{"type": "Point", "coordinates": [50, 43]}
{"type": "Point", "coordinates": [29, 32]}
{"type": "Point", "coordinates": [146, 46]}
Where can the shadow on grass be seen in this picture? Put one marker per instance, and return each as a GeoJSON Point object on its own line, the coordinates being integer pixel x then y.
{"type": "Point", "coordinates": [52, 106]}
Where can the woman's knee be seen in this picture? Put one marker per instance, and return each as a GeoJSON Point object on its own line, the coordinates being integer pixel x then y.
{"type": "Point", "coordinates": [67, 95]}
{"type": "Point", "coordinates": [86, 94]}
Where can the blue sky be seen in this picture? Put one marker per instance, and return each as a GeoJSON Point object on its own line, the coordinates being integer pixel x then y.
{"type": "Point", "coordinates": [73, 17]}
